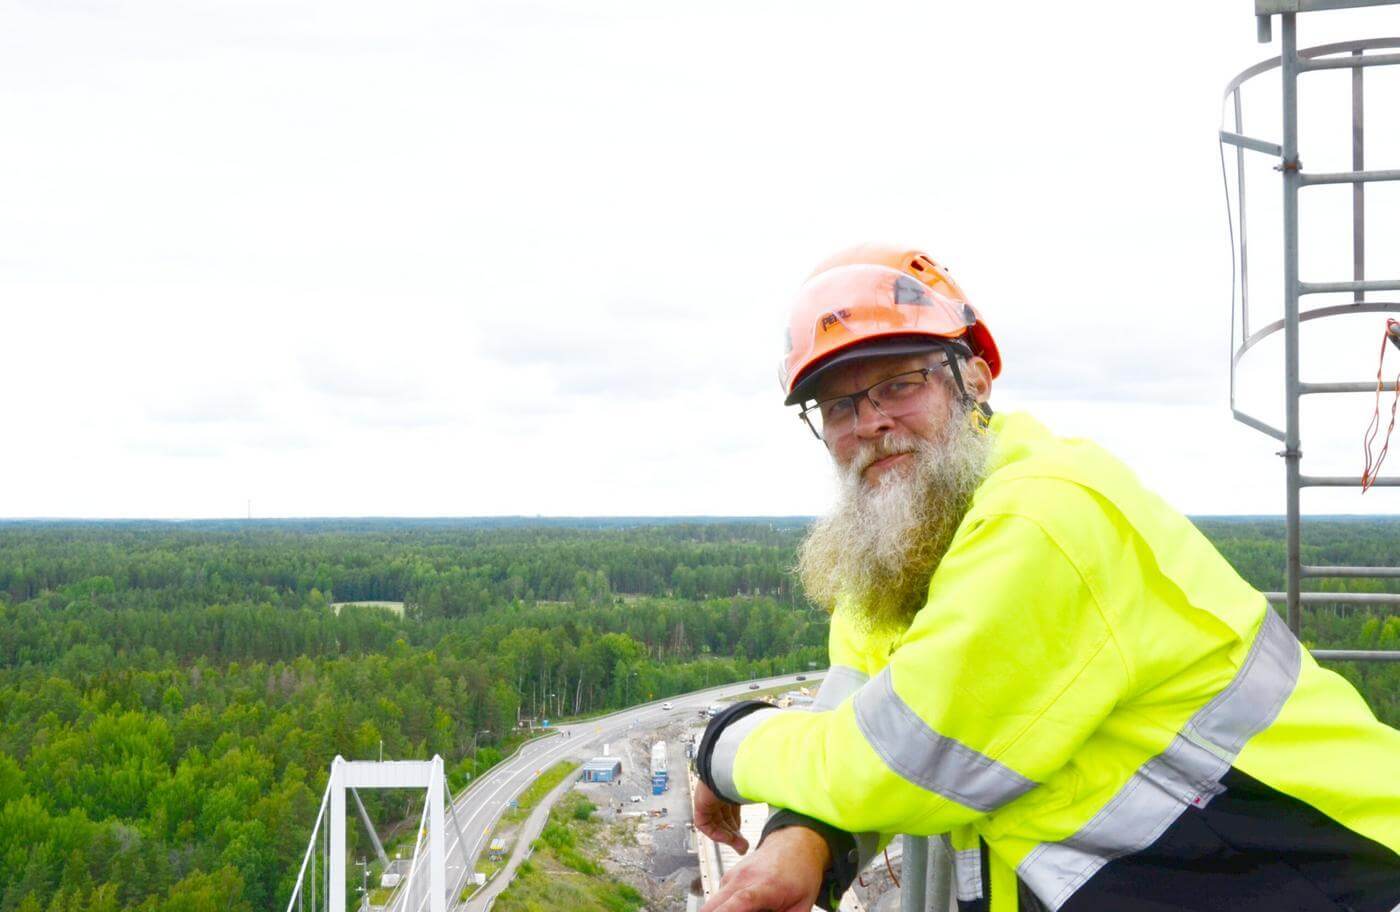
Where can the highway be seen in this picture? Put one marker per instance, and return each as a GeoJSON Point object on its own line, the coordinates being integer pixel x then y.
{"type": "Point", "coordinates": [482, 804]}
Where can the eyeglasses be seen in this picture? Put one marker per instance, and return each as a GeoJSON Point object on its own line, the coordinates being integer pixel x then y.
{"type": "Point", "coordinates": [894, 397]}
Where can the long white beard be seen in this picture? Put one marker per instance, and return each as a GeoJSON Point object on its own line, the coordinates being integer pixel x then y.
{"type": "Point", "coordinates": [881, 543]}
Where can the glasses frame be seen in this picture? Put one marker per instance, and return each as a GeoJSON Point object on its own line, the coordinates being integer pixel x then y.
{"type": "Point", "coordinates": [816, 404]}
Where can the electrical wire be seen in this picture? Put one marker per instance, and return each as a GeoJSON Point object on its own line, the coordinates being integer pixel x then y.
{"type": "Point", "coordinates": [1372, 470]}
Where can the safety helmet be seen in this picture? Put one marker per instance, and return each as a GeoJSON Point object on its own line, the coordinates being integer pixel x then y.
{"type": "Point", "coordinates": [877, 299]}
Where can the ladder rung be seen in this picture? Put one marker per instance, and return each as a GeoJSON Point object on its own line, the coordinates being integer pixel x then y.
{"type": "Point", "coordinates": [1362, 387]}
{"type": "Point", "coordinates": [1357, 655]}
{"type": "Point", "coordinates": [1351, 571]}
{"type": "Point", "coordinates": [1258, 425]}
{"type": "Point", "coordinates": [1343, 63]}
{"type": "Point", "coordinates": [1347, 177]}
{"type": "Point", "coordinates": [1249, 142]}
{"type": "Point", "coordinates": [1345, 481]}
{"type": "Point", "coordinates": [1269, 7]}
{"type": "Point", "coordinates": [1338, 598]}
{"type": "Point", "coordinates": [1334, 287]}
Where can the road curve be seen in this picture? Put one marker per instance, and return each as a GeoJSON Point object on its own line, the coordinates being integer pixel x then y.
{"type": "Point", "coordinates": [480, 807]}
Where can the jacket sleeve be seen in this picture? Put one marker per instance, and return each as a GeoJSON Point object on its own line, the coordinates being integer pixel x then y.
{"type": "Point", "coordinates": [850, 852]}
{"type": "Point", "coordinates": [1007, 669]}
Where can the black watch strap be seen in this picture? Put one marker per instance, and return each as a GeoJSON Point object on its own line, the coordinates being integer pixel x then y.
{"type": "Point", "coordinates": [718, 724]}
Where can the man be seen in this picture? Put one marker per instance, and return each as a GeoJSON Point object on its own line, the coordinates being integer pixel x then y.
{"type": "Point", "coordinates": [1034, 655]}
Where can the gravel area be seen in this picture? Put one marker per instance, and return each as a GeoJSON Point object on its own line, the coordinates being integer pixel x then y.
{"type": "Point", "coordinates": [659, 858]}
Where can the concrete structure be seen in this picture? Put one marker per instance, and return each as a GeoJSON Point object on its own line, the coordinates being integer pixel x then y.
{"type": "Point", "coordinates": [329, 830]}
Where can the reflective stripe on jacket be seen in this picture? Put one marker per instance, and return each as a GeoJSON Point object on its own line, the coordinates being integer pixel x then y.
{"type": "Point", "coordinates": [1093, 694]}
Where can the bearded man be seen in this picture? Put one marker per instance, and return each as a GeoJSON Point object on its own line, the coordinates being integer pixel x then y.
{"type": "Point", "coordinates": [1032, 657]}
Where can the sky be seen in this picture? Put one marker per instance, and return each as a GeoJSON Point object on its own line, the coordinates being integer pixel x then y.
{"type": "Point", "coordinates": [535, 257]}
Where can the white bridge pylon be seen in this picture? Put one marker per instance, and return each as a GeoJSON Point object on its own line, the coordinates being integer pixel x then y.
{"type": "Point", "coordinates": [330, 827]}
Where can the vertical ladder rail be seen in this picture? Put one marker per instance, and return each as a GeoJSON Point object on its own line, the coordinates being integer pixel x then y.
{"type": "Point", "coordinates": [1358, 188]}
{"type": "Point", "coordinates": [1292, 454]}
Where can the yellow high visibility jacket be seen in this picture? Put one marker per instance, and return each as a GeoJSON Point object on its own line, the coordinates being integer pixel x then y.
{"type": "Point", "coordinates": [1098, 709]}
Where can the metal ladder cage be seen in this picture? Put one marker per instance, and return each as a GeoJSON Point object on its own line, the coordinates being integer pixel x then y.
{"type": "Point", "coordinates": [1292, 62]}
{"type": "Point", "coordinates": [927, 884]}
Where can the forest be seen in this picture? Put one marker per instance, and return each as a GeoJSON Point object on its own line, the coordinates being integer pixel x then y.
{"type": "Point", "coordinates": [171, 694]}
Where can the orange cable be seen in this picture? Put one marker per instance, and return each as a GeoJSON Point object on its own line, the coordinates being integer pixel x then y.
{"type": "Point", "coordinates": [1372, 469]}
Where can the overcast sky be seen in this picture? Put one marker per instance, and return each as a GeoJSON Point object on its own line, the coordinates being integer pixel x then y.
{"type": "Point", "coordinates": [473, 258]}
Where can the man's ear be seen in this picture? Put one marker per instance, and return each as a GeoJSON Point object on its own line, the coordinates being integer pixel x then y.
{"type": "Point", "coordinates": [977, 378]}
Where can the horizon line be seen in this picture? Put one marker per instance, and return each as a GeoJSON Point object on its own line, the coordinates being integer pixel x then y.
{"type": "Point", "coordinates": [556, 517]}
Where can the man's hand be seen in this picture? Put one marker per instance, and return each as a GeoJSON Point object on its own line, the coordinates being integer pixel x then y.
{"type": "Point", "coordinates": [784, 875]}
{"type": "Point", "coordinates": [718, 819]}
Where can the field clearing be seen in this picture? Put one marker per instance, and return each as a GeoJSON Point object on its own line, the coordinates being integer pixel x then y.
{"type": "Point", "coordinates": [394, 607]}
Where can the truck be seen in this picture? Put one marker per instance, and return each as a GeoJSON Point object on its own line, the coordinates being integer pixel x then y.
{"type": "Point", "coordinates": [660, 773]}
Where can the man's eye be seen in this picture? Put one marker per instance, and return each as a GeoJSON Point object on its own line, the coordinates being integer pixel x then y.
{"type": "Point", "coordinates": [836, 409]}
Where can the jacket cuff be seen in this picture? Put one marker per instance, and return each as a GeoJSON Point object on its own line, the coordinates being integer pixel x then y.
{"type": "Point", "coordinates": [846, 860]}
{"type": "Point", "coordinates": [714, 757]}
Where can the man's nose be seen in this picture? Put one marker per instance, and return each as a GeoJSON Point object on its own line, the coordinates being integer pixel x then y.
{"type": "Point", "coordinates": [870, 421]}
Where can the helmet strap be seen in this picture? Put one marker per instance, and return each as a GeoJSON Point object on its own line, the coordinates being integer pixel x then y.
{"type": "Point", "coordinates": [980, 418]}
{"type": "Point", "coordinates": [980, 412]}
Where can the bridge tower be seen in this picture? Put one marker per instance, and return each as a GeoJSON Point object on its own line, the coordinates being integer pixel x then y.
{"type": "Point", "coordinates": [320, 884]}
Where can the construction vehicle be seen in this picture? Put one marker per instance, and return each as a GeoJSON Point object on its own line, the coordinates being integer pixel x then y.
{"type": "Point", "coordinates": [660, 773]}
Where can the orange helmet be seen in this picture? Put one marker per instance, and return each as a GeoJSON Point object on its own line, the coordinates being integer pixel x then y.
{"type": "Point", "coordinates": [877, 299]}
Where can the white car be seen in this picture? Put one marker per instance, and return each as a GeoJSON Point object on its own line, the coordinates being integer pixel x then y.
{"type": "Point", "coordinates": [668, 705]}
{"type": "Point", "coordinates": [635, 798]}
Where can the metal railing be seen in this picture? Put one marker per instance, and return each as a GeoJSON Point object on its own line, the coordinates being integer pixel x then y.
{"type": "Point", "coordinates": [926, 874]}
{"type": "Point", "coordinates": [1292, 62]}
